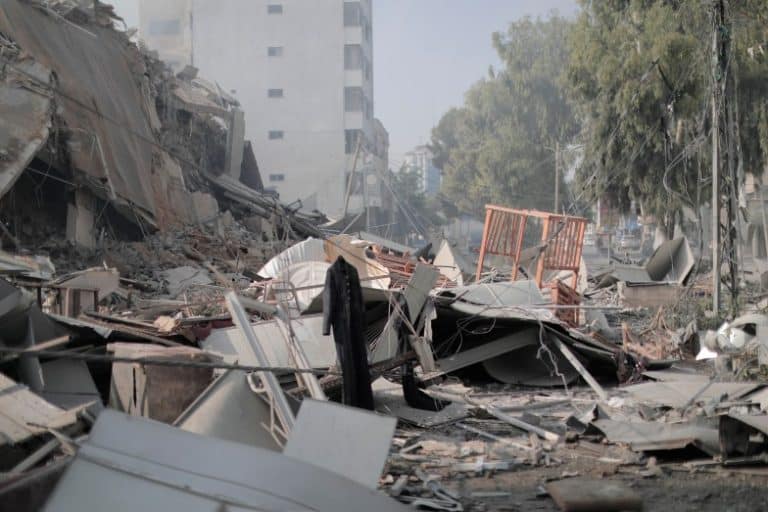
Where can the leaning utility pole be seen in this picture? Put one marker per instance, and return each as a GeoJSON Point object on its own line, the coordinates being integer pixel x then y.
{"type": "Point", "coordinates": [716, 249]}
{"type": "Point", "coordinates": [366, 205]}
{"type": "Point", "coordinates": [557, 177]}
{"type": "Point", "coordinates": [350, 178]}
{"type": "Point", "coordinates": [725, 179]}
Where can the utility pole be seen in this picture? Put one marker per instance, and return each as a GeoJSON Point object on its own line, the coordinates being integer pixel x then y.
{"type": "Point", "coordinates": [716, 250]}
{"type": "Point", "coordinates": [557, 177]}
{"type": "Point", "coordinates": [366, 174]}
{"type": "Point", "coordinates": [725, 180]}
{"type": "Point", "coordinates": [350, 178]}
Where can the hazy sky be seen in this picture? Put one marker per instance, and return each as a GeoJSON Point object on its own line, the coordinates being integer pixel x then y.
{"type": "Point", "coordinates": [426, 55]}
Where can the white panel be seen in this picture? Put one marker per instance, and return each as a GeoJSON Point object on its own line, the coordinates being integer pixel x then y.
{"type": "Point", "coordinates": [348, 441]}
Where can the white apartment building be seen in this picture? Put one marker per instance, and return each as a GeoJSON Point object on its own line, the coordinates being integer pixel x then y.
{"type": "Point", "coordinates": [421, 159]}
{"type": "Point", "coordinates": [303, 73]}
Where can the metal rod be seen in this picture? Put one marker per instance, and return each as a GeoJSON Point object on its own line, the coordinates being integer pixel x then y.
{"type": "Point", "coordinates": [251, 350]}
{"type": "Point", "coordinates": [517, 422]}
{"type": "Point", "coordinates": [598, 389]}
{"type": "Point", "coordinates": [715, 177]}
{"type": "Point", "coordinates": [492, 437]}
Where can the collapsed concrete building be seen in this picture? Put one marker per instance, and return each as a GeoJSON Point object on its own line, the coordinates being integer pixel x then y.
{"type": "Point", "coordinates": [100, 139]}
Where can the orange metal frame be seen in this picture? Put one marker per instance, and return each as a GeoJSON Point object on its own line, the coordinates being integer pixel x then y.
{"type": "Point", "coordinates": [562, 237]}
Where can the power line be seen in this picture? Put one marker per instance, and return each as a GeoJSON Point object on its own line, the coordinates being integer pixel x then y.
{"type": "Point", "coordinates": [154, 361]}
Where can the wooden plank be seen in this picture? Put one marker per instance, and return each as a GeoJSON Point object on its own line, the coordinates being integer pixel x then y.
{"type": "Point", "coordinates": [517, 422]}
{"type": "Point", "coordinates": [46, 345]}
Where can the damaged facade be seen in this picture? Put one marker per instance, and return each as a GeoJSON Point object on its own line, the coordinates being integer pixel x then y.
{"type": "Point", "coordinates": [117, 146]}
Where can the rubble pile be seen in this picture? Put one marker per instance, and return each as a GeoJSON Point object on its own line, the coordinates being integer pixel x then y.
{"type": "Point", "coordinates": [477, 386]}
{"type": "Point", "coordinates": [173, 336]}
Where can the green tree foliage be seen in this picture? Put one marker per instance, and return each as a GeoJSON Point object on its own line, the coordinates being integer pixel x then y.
{"type": "Point", "coordinates": [750, 47]}
{"type": "Point", "coordinates": [630, 81]}
{"type": "Point", "coordinates": [640, 75]}
{"type": "Point", "coordinates": [499, 146]}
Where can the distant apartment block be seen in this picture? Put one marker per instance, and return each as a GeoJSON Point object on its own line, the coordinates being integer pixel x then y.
{"type": "Point", "coordinates": [422, 159]}
{"type": "Point", "coordinates": [303, 73]}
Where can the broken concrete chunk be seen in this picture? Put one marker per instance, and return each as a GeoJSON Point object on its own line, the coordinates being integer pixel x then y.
{"type": "Point", "coordinates": [581, 495]}
{"type": "Point", "coordinates": [180, 279]}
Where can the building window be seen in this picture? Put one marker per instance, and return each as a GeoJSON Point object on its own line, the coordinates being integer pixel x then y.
{"type": "Point", "coordinates": [275, 51]}
{"type": "Point", "coordinates": [353, 99]}
{"type": "Point", "coordinates": [277, 177]}
{"type": "Point", "coordinates": [274, 93]}
{"type": "Point", "coordinates": [350, 140]}
{"type": "Point", "coordinates": [164, 27]}
{"type": "Point", "coordinates": [353, 14]}
{"type": "Point", "coordinates": [276, 134]}
{"type": "Point", "coordinates": [353, 56]}
{"type": "Point", "coordinates": [275, 9]}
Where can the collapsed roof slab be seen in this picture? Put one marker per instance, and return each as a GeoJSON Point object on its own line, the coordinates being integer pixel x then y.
{"type": "Point", "coordinates": [99, 96]}
{"type": "Point", "coordinates": [25, 111]}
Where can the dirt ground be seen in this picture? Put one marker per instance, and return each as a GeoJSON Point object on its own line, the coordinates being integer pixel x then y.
{"type": "Point", "coordinates": [679, 482]}
{"type": "Point", "coordinates": [675, 490]}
